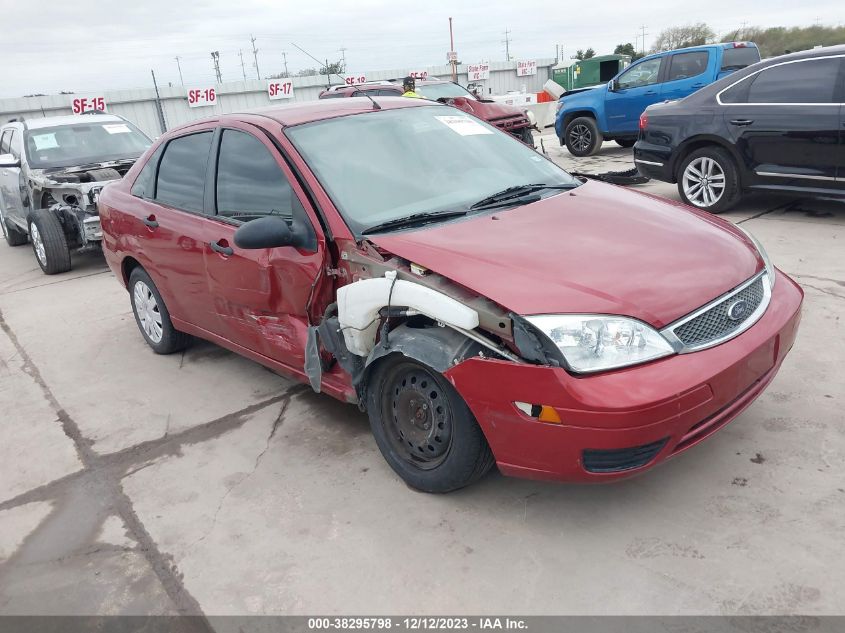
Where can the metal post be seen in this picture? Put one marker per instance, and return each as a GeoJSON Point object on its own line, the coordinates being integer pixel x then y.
{"type": "Point", "coordinates": [454, 62]}
{"type": "Point", "coordinates": [161, 122]}
{"type": "Point", "coordinates": [243, 69]}
{"type": "Point", "coordinates": [179, 66]}
{"type": "Point", "coordinates": [285, 57]}
{"type": "Point", "coordinates": [255, 56]}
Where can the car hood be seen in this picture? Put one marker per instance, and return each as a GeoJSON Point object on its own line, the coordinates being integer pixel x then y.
{"type": "Point", "coordinates": [598, 249]}
{"type": "Point", "coordinates": [488, 110]}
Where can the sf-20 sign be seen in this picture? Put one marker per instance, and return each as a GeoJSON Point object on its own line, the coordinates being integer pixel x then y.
{"type": "Point", "coordinates": [201, 97]}
{"type": "Point", "coordinates": [280, 89]}
{"type": "Point", "coordinates": [87, 104]}
{"type": "Point", "coordinates": [526, 68]}
{"type": "Point", "coordinates": [478, 72]}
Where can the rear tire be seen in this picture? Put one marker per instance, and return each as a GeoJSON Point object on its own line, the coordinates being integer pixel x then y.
{"type": "Point", "coordinates": [49, 242]}
{"type": "Point", "coordinates": [423, 427]}
{"type": "Point", "coordinates": [626, 142]}
{"type": "Point", "coordinates": [152, 316]}
{"type": "Point", "coordinates": [582, 137]}
{"type": "Point", "coordinates": [708, 179]}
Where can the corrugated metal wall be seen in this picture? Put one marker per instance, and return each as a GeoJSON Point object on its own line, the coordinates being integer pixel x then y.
{"type": "Point", "coordinates": [139, 105]}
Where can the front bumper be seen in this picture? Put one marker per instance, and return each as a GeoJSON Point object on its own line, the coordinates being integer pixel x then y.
{"type": "Point", "coordinates": [665, 406]}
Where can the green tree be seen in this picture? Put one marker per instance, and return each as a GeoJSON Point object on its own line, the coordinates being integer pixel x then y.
{"type": "Point", "coordinates": [627, 49]}
{"type": "Point", "coordinates": [589, 53]}
{"type": "Point", "coordinates": [777, 40]}
{"type": "Point", "coordinates": [683, 36]}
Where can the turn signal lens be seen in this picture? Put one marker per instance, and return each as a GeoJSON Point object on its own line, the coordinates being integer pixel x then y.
{"type": "Point", "coordinates": [547, 414]}
{"type": "Point", "coordinates": [643, 122]}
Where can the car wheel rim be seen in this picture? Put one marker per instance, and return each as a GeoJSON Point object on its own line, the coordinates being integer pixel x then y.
{"type": "Point", "coordinates": [147, 310]}
{"type": "Point", "coordinates": [418, 419]}
{"type": "Point", "coordinates": [704, 182]}
{"type": "Point", "coordinates": [38, 244]}
{"type": "Point", "coordinates": [580, 137]}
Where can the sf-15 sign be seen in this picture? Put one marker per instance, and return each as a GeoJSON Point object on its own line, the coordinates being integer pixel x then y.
{"type": "Point", "coordinates": [87, 104]}
{"type": "Point", "coordinates": [280, 89]}
{"type": "Point", "coordinates": [478, 72]}
{"type": "Point", "coordinates": [201, 97]}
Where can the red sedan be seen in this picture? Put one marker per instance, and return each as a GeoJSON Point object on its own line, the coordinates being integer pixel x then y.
{"type": "Point", "coordinates": [482, 305]}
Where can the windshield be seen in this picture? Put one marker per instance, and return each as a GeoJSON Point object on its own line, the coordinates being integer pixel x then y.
{"type": "Point", "coordinates": [391, 164]}
{"type": "Point", "coordinates": [438, 91]}
{"type": "Point", "coordinates": [82, 143]}
{"type": "Point", "coordinates": [736, 58]}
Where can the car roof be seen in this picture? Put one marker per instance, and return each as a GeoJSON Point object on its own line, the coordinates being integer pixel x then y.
{"type": "Point", "coordinates": [70, 119]}
{"type": "Point", "coordinates": [319, 110]}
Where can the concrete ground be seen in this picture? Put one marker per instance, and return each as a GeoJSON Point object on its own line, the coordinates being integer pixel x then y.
{"type": "Point", "coordinates": [201, 483]}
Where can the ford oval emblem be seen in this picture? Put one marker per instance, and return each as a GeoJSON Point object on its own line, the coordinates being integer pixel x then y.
{"type": "Point", "coordinates": [737, 310]}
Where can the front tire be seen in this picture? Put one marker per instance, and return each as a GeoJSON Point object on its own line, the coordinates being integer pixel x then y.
{"type": "Point", "coordinates": [49, 242]}
{"type": "Point", "coordinates": [526, 136]}
{"type": "Point", "coordinates": [13, 236]}
{"type": "Point", "coordinates": [709, 180]}
{"type": "Point", "coordinates": [423, 427]}
{"type": "Point", "coordinates": [152, 317]}
{"type": "Point", "coordinates": [582, 137]}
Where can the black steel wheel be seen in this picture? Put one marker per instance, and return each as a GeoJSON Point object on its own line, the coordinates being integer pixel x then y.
{"type": "Point", "coordinates": [423, 427]}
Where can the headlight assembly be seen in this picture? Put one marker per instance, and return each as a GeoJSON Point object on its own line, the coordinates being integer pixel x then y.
{"type": "Point", "coordinates": [770, 268]}
{"type": "Point", "coordinates": [594, 342]}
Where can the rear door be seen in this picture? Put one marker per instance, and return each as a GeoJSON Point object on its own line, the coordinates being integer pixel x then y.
{"type": "Point", "coordinates": [170, 228]}
{"type": "Point", "coordinates": [686, 73]}
{"type": "Point", "coordinates": [785, 121]}
{"type": "Point", "coordinates": [637, 88]}
{"type": "Point", "coordinates": [261, 297]}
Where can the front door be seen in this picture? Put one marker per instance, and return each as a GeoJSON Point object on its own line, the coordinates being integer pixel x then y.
{"type": "Point", "coordinates": [11, 180]}
{"type": "Point", "coordinates": [785, 122]}
{"type": "Point", "coordinates": [636, 89]}
{"type": "Point", "coordinates": [261, 297]}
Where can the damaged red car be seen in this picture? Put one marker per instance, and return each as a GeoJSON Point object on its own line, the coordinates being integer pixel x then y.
{"type": "Point", "coordinates": [479, 303]}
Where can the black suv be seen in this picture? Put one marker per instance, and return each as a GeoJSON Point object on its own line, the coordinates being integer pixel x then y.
{"type": "Point", "coordinates": [778, 125]}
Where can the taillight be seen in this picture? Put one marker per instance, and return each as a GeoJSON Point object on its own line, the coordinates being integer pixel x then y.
{"type": "Point", "coordinates": [643, 122]}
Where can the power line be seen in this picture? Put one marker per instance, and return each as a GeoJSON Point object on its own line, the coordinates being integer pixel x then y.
{"type": "Point", "coordinates": [255, 56]}
{"type": "Point", "coordinates": [507, 43]}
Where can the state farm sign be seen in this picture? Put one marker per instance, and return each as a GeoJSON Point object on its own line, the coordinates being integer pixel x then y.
{"type": "Point", "coordinates": [526, 68]}
{"type": "Point", "coordinates": [280, 89]}
{"type": "Point", "coordinates": [478, 72]}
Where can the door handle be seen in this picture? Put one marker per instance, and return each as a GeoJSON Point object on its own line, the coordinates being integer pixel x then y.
{"type": "Point", "coordinates": [741, 122]}
{"type": "Point", "coordinates": [150, 221]}
{"type": "Point", "coordinates": [223, 249]}
{"type": "Point", "coordinates": [651, 92]}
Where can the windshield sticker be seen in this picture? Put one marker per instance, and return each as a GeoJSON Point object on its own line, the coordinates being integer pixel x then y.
{"type": "Point", "coordinates": [45, 141]}
{"type": "Point", "coordinates": [463, 125]}
{"type": "Point", "coordinates": [116, 128]}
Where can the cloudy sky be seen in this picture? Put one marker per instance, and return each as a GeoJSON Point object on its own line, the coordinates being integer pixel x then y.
{"type": "Point", "coordinates": [91, 45]}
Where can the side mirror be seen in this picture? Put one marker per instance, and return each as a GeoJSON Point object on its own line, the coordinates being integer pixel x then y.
{"type": "Point", "coordinates": [268, 232]}
{"type": "Point", "coordinates": [613, 86]}
{"type": "Point", "coordinates": [8, 161]}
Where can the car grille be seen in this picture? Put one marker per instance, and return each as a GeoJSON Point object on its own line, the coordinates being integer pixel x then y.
{"type": "Point", "coordinates": [615, 460]}
{"type": "Point", "coordinates": [722, 319]}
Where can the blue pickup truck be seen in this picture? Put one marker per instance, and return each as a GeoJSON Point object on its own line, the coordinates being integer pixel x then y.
{"type": "Point", "coordinates": [589, 116]}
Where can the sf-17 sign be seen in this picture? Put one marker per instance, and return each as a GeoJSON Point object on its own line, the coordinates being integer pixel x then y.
{"type": "Point", "coordinates": [280, 89]}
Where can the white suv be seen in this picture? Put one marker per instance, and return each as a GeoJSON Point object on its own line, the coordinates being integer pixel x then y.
{"type": "Point", "coordinates": [51, 174]}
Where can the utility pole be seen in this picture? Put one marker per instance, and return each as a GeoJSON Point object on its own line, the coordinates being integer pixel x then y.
{"type": "Point", "coordinates": [557, 53]}
{"type": "Point", "coordinates": [643, 34]}
{"type": "Point", "coordinates": [158, 104]}
{"type": "Point", "coordinates": [285, 57]}
{"type": "Point", "coordinates": [507, 43]}
{"type": "Point", "coordinates": [215, 57]}
{"type": "Point", "coordinates": [342, 51]}
{"type": "Point", "coordinates": [243, 68]}
{"type": "Point", "coordinates": [255, 56]}
{"type": "Point", "coordinates": [179, 66]}
{"type": "Point", "coordinates": [454, 62]}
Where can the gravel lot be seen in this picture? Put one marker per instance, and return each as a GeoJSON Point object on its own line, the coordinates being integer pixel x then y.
{"type": "Point", "coordinates": [137, 484]}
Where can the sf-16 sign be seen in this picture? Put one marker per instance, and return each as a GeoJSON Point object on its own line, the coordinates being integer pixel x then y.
{"type": "Point", "coordinates": [280, 89]}
{"type": "Point", "coordinates": [201, 97]}
{"type": "Point", "coordinates": [478, 72]}
{"type": "Point", "coordinates": [87, 104]}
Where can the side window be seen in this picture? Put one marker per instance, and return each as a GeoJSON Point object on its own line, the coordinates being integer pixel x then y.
{"type": "Point", "coordinates": [15, 145]}
{"type": "Point", "coordinates": [250, 183]}
{"type": "Point", "coordinates": [811, 81]}
{"type": "Point", "coordinates": [685, 65]}
{"type": "Point", "coordinates": [643, 74]}
{"type": "Point", "coordinates": [4, 142]}
{"type": "Point", "coordinates": [737, 93]}
{"type": "Point", "coordinates": [181, 173]}
{"type": "Point", "coordinates": [144, 185]}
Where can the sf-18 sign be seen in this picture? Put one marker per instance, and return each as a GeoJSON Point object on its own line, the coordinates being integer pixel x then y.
{"type": "Point", "coordinates": [87, 104]}
{"type": "Point", "coordinates": [421, 75]}
{"type": "Point", "coordinates": [352, 80]}
{"type": "Point", "coordinates": [201, 97]}
{"type": "Point", "coordinates": [526, 68]}
{"type": "Point", "coordinates": [280, 89]}
{"type": "Point", "coordinates": [478, 72]}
